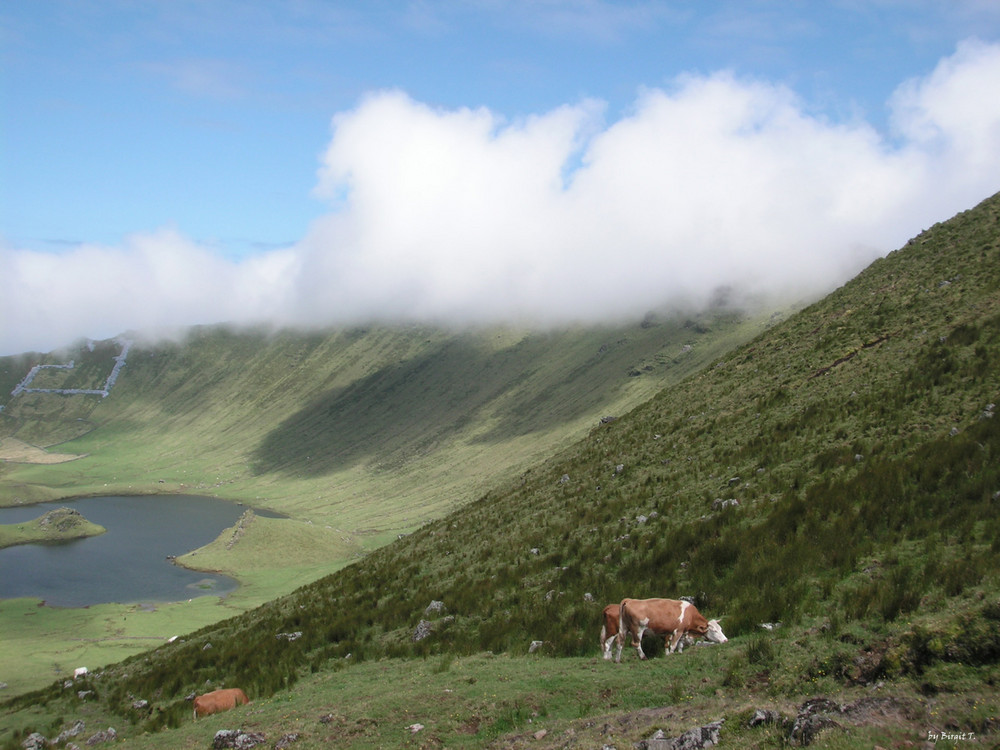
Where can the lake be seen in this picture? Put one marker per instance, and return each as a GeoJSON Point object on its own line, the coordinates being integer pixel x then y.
{"type": "Point", "coordinates": [128, 563]}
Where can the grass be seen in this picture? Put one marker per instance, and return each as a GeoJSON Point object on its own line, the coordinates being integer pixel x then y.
{"type": "Point", "coordinates": [42, 644]}
{"type": "Point", "coordinates": [415, 422]}
{"type": "Point", "coordinates": [53, 527]}
{"type": "Point", "coordinates": [502, 700]}
{"type": "Point", "coordinates": [859, 439]}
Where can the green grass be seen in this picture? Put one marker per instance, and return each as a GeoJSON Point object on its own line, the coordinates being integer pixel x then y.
{"type": "Point", "coordinates": [477, 700]}
{"type": "Point", "coordinates": [859, 440]}
{"type": "Point", "coordinates": [365, 434]}
{"type": "Point", "coordinates": [56, 526]}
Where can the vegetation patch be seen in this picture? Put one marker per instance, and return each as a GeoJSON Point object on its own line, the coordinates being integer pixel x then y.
{"type": "Point", "coordinates": [60, 525]}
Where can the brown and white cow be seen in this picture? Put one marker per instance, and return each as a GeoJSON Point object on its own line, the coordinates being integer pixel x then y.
{"type": "Point", "coordinates": [609, 629]}
{"type": "Point", "coordinates": [219, 700]}
{"type": "Point", "coordinates": [670, 617]}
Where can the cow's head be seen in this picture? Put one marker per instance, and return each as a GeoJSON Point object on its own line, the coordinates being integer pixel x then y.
{"type": "Point", "coordinates": [714, 632]}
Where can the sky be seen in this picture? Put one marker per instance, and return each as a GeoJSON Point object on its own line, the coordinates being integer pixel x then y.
{"type": "Point", "coordinates": [544, 162]}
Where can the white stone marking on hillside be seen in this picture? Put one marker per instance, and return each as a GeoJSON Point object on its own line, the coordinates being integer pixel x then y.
{"type": "Point", "coordinates": [24, 385]}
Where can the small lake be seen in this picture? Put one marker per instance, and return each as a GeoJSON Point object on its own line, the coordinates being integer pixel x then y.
{"type": "Point", "coordinates": [126, 564]}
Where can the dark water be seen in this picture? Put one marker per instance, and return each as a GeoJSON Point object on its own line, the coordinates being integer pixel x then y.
{"type": "Point", "coordinates": [126, 564]}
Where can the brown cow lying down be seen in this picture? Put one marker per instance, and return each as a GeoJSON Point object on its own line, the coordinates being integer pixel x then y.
{"type": "Point", "coordinates": [671, 617]}
{"type": "Point", "coordinates": [219, 700]}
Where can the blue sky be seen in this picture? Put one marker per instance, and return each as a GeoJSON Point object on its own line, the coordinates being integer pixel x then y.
{"type": "Point", "coordinates": [171, 163]}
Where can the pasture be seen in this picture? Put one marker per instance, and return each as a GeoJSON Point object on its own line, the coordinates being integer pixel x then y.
{"type": "Point", "coordinates": [539, 701]}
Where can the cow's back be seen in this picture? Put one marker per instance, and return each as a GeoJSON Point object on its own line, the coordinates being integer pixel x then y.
{"type": "Point", "coordinates": [660, 615]}
{"type": "Point", "coordinates": [219, 700]}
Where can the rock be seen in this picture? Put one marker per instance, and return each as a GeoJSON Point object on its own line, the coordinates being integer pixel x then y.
{"type": "Point", "coordinates": [234, 738]}
{"type": "Point", "coordinates": [286, 741]}
{"type": "Point", "coordinates": [719, 503]}
{"type": "Point", "coordinates": [540, 734]}
{"type": "Point", "coordinates": [105, 735]}
{"type": "Point", "coordinates": [588, 597]}
{"type": "Point", "coordinates": [434, 606]}
{"type": "Point", "coordinates": [140, 704]}
{"type": "Point", "coordinates": [423, 630]}
{"type": "Point", "coordinates": [813, 717]}
{"type": "Point", "coordinates": [35, 741]}
{"type": "Point", "coordinates": [289, 636]}
{"type": "Point", "coordinates": [693, 739]}
{"type": "Point", "coordinates": [563, 479]}
{"type": "Point", "coordinates": [414, 728]}
{"type": "Point", "coordinates": [73, 731]}
{"type": "Point", "coordinates": [764, 716]}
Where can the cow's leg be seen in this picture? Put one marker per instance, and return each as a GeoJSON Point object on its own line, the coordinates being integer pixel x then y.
{"type": "Point", "coordinates": [607, 647]}
{"type": "Point", "coordinates": [620, 641]}
{"type": "Point", "coordinates": [673, 640]}
{"type": "Point", "coordinates": [637, 641]}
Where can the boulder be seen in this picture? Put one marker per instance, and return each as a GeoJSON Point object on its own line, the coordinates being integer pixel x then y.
{"type": "Point", "coordinates": [814, 716]}
{"type": "Point", "coordinates": [105, 735]}
{"type": "Point", "coordinates": [423, 630]}
{"type": "Point", "coordinates": [764, 716]}
{"type": "Point", "coordinates": [235, 738]}
{"type": "Point", "coordinates": [693, 739]}
{"type": "Point", "coordinates": [73, 731]}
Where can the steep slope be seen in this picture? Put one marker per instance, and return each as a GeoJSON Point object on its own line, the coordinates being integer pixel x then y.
{"type": "Point", "coordinates": [412, 421]}
{"type": "Point", "coordinates": [858, 438]}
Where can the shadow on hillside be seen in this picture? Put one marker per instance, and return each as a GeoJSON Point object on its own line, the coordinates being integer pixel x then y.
{"type": "Point", "coordinates": [410, 409]}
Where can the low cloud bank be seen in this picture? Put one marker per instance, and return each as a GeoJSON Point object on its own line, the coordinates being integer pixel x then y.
{"type": "Point", "coordinates": [460, 216]}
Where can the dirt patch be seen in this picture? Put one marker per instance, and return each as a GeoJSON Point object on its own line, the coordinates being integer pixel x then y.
{"type": "Point", "coordinates": [18, 452]}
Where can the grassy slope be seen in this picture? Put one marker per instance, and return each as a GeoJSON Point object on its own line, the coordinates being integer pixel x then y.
{"type": "Point", "coordinates": [358, 435]}
{"type": "Point", "coordinates": [861, 444]}
{"type": "Point", "coordinates": [366, 426]}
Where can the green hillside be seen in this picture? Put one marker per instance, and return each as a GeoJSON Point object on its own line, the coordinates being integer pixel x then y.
{"type": "Point", "coordinates": [356, 435]}
{"type": "Point", "coordinates": [389, 427]}
{"type": "Point", "coordinates": [860, 440]}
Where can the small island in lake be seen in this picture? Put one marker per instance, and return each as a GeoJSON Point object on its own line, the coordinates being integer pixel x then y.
{"type": "Point", "coordinates": [60, 525]}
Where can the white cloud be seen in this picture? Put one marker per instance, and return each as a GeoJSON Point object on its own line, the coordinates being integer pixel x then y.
{"type": "Point", "coordinates": [461, 215]}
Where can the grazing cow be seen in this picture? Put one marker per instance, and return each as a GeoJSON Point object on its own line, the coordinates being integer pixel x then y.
{"type": "Point", "coordinates": [609, 629]}
{"type": "Point", "coordinates": [79, 672]}
{"type": "Point", "coordinates": [219, 700]}
{"type": "Point", "coordinates": [671, 617]}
